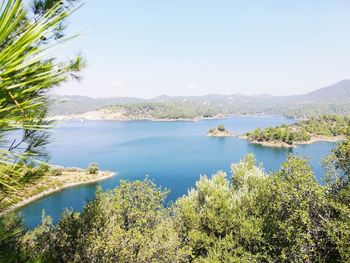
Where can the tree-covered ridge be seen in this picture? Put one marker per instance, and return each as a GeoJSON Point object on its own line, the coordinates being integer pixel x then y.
{"type": "Point", "coordinates": [163, 110]}
{"type": "Point", "coordinates": [334, 99]}
{"type": "Point", "coordinates": [326, 125]}
{"type": "Point", "coordinates": [302, 131]}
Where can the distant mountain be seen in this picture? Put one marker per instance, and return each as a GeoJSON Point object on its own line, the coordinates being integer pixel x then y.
{"type": "Point", "coordinates": [337, 91]}
{"type": "Point", "coordinates": [327, 100]}
{"type": "Point", "coordinates": [66, 105]}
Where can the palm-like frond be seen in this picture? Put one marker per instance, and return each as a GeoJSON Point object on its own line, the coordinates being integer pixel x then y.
{"type": "Point", "coordinates": [27, 71]}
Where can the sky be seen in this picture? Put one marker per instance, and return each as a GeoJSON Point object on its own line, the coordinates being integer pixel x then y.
{"type": "Point", "coordinates": [196, 47]}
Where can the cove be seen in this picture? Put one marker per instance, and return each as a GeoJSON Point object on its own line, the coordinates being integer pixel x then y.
{"type": "Point", "coordinates": [173, 154]}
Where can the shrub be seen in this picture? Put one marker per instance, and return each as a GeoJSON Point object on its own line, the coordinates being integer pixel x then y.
{"type": "Point", "coordinates": [56, 171]}
{"type": "Point", "coordinates": [221, 128]}
{"type": "Point", "coordinates": [74, 169]}
{"type": "Point", "coordinates": [127, 224]}
{"type": "Point", "coordinates": [286, 216]}
{"type": "Point", "coordinates": [92, 168]}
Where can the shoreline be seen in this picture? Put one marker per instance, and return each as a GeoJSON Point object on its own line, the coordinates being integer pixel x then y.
{"type": "Point", "coordinates": [221, 134]}
{"type": "Point", "coordinates": [86, 117]}
{"type": "Point", "coordinates": [103, 175]}
{"type": "Point", "coordinates": [313, 139]}
{"type": "Point", "coordinates": [324, 139]}
{"type": "Point", "coordinates": [92, 116]}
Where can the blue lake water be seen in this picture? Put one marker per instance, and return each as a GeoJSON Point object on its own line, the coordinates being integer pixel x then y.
{"type": "Point", "coordinates": [174, 154]}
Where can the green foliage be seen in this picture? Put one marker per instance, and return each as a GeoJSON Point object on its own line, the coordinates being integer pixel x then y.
{"type": "Point", "coordinates": [92, 168]}
{"type": "Point", "coordinates": [254, 217]}
{"type": "Point", "coordinates": [55, 171]}
{"type": "Point", "coordinates": [11, 230]}
{"type": "Point", "coordinates": [295, 219]}
{"type": "Point", "coordinates": [221, 128]}
{"type": "Point", "coordinates": [337, 178]}
{"type": "Point", "coordinates": [164, 110]}
{"type": "Point", "coordinates": [216, 219]}
{"type": "Point", "coordinates": [325, 125]}
{"type": "Point", "coordinates": [27, 72]}
{"type": "Point", "coordinates": [342, 154]}
{"type": "Point", "coordinates": [128, 224]}
{"type": "Point", "coordinates": [302, 106]}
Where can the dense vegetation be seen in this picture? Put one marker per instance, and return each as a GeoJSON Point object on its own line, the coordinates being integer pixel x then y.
{"type": "Point", "coordinates": [252, 216]}
{"type": "Point", "coordinates": [67, 105]}
{"type": "Point", "coordinates": [334, 99]}
{"type": "Point", "coordinates": [27, 72]}
{"type": "Point", "coordinates": [308, 110]}
{"type": "Point", "coordinates": [324, 125]}
{"type": "Point", "coordinates": [169, 110]}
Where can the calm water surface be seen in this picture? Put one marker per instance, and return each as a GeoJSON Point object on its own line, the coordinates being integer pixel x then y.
{"type": "Point", "coordinates": [174, 154]}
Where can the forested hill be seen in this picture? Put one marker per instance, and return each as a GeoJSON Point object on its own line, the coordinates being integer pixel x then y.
{"type": "Point", "coordinates": [337, 92]}
{"type": "Point", "coordinates": [334, 99]}
{"type": "Point", "coordinates": [325, 127]}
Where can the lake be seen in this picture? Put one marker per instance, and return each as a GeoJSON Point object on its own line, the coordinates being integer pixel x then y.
{"type": "Point", "coordinates": [173, 154]}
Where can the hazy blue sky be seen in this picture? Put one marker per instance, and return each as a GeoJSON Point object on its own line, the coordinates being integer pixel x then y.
{"type": "Point", "coordinates": [194, 47]}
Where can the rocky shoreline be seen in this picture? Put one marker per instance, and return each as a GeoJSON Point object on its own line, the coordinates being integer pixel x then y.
{"type": "Point", "coordinates": [66, 180]}
{"type": "Point", "coordinates": [221, 134]}
{"type": "Point", "coordinates": [286, 145]}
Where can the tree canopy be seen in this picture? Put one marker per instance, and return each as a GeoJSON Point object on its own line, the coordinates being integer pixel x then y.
{"type": "Point", "coordinates": [324, 125]}
{"type": "Point", "coordinates": [253, 216]}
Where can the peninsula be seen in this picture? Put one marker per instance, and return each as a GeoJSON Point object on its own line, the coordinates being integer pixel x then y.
{"type": "Point", "coordinates": [56, 179]}
{"type": "Point", "coordinates": [322, 128]}
{"type": "Point", "coordinates": [153, 111]}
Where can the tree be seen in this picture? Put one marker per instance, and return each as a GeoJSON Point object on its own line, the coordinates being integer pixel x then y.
{"type": "Point", "coordinates": [217, 219]}
{"type": "Point", "coordinates": [11, 230]}
{"type": "Point", "coordinates": [337, 165]}
{"type": "Point", "coordinates": [221, 128]}
{"type": "Point", "coordinates": [338, 190]}
{"type": "Point", "coordinates": [92, 168]}
{"type": "Point", "coordinates": [127, 224]}
{"type": "Point", "coordinates": [342, 154]}
{"type": "Point", "coordinates": [286, 216]}
{"type": "Point", "coordinates": [295, 215]}
{"type": "Point", "coordinates": [27, 73]}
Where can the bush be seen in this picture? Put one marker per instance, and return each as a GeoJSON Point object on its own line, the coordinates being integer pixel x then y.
{"type": "Point", "coordinates": [74, 169]}
{"type": "Point", "coordinates": [56, 171]}
{"type": "Point", "coordinates": [221, 128]}
{"type": "Point", "coordinates": [127, 224]}
{"type": "Point", "coordinates": [92, 168]}
{"type": "Point", "coordinates": [286, 216]}
{"type": "Point", "coordinates": [11, 230]}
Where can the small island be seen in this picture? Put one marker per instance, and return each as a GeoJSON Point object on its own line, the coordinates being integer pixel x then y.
{"type": "Point", "coordinates": [219, 131]}
{"type": "Point", "coordinates": [322, 128]}
{"type": "Point", "coordinates": [55, 179]}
